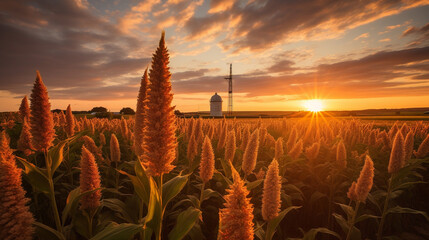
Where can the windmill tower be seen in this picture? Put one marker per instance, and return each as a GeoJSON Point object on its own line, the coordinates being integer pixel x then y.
{"type": "Point", "coordinates": [229, 90]}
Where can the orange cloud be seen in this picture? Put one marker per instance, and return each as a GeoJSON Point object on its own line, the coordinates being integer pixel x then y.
{"type": "Point", "coordinates": [262, 26]}
{"type": "Point", "coordinates": [393, 26]}
{"type": "Point", "coordinates": [145, 6]}
{"type": "Point", "coordinates": [383, 74]}
{"type": "Point", "coordinates": [130, 21]}
{"type": "Point", "coordinates": [363, 35]}
{"type": "Point", "coordinates": [220, 5]}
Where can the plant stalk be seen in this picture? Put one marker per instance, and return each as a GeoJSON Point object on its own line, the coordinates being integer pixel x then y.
{"type": "Point", "coordinates": [352, 223]}
{"type": "Point", "coordinates": [331, 195]}
{"type": "Point", "coordinates": [383, 215]}
{"type": "Point", "coordinates": [54, 206]}
{"type": "Point", "coordinates": [91, 220]}
{"type": "Point", "coordinates": [52, 192]}
{"type": "Point", "coordinates": [116, 176]}
{"type": "Point", "coordinates": [158, 236]}
{"type": "Point", "coordinates": [202, 195]}
{"type": "Point", "coordinates": [141, 216]}
{"type": "Point", "coordinates": [69, 165]}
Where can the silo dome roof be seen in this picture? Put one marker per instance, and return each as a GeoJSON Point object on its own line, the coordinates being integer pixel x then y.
{"type": "Point", "coordinates": [216, 98]}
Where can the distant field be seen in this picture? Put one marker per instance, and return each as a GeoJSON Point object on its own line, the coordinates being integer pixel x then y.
{"type": "Point", "coordinates": [390, 118]}
{"type": "Point", "coordinates": [390, 115]}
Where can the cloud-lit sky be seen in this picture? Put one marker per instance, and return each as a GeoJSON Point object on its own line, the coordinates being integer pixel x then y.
{"type": "Point", "coordinates": [353, 54]}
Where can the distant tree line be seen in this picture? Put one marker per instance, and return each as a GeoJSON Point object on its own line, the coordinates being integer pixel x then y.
{"type": "Point", "coordinates": [127, 111]}
{"type": "Point", "coordinates": [101, 111]}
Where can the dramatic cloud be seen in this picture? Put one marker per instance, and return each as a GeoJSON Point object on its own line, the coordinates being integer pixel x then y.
{"type": "Point", "coordinates": [98, 50]}
{"type": "Point", "coordinates": [416, 30]}
{"type": "Point", "coordinates": [386, 73]}
{"type": "Point", "coordinates": [421, 34]}
{"type": "Point", "coordinates": [220, 5]}
{"type": "Point", "coordinates": [71, 48]}
{"type": "Point", "coordinates": [264, 23]}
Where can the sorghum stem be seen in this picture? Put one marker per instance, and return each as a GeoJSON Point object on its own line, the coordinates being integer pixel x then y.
{"type": "Point", "coordinates": [352, 223]}
{"type": "Point", "coordinates": [386, 203]}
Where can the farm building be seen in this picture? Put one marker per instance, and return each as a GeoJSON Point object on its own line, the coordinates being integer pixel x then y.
{"type": "Point", "coordinates": [216, 106]}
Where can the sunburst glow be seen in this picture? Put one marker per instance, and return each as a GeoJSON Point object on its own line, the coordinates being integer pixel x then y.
{"type": "Point", "coordinates": [314, 105]}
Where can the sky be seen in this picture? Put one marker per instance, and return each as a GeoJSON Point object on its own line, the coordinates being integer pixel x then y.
{"type": "Point", "coordinates": [351, 54]}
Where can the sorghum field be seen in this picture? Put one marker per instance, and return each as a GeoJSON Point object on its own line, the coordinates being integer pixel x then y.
{"type": "Point", "coordinates": [156, 176]}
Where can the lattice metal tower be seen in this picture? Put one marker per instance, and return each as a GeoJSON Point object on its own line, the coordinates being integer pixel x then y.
{"type": "Point", "coordinates": [229, 90]}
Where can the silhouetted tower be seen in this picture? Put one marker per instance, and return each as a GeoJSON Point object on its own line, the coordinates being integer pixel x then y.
{"type": "Point", "coordinates": [229, 90]}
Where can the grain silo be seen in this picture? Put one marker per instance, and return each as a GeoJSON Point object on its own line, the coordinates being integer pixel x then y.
{"type": "Point", "coordinates": [216, 106]}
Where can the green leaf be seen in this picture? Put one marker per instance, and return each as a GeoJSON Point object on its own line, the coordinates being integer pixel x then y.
{"type": "Point", "coordinates": [342, 222]}
{"type": "Point", "coordinates": [171, 188]}
{"type": "Point", "coordinates": [37, 177]}
{"type": "Point", "coordinates": [194, 165]}
{"type": "Point", "coordinates": [116, 191]}
{"type": "Point", "coordinates": [312, 233]}
{"type": "Point", "coordinates": [226, 165]}
{"type": "Point", "coordinates": [406, 185]}
{"type": "Point", "coordinates": [144, 180]}
{"type": "Point", "coordinates": [195, 233]}
{"type": "Point", "coordinates": [80, 224]}
{"type": "Point", "coordinates": [259, 231]}
{"type": "Point", "coordinates": [55, 154]}
{"type": "Point", "coordinates": [147, 232]}
{"type": "Point", "coordinates": [365, 216]}
{"type": "Point", "coordinates": [347, 209]}
{"type": "Point", "coordinates": [139, 187]}
{"type": "Point", "coordinates": [254, 184]}
{"type": "Point", "coordinates": [293, 188]}
{"type": "Point", "coordinates": [185, 222]}
{"type": "Point", "coordinates": [73, 202]}
{"type": "Point", "coordinates": [117, 206]}
{"type": "Point", "coordinates": [208, 193]}
{"type": "Point", "coordinates": [273, 223]}
{"type": "Point", "coordinates": [227, 181]}
{"type": "Point", "coordinates": [399, 209]}
{"type": "Point", "coordinates": [355, 234]}
{"type": "Point", "coordinates": [46, 232]}
{"type": "Point", "coordinates": [114, 231]}
{"type": "Point", "coordinates": [316, 196]}
{"type": "Point", "coordinates": [373, 200]}
{"type": "Point", "coordinates": [154, 215]}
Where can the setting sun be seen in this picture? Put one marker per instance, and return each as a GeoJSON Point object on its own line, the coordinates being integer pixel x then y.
{"type": "Point", "coordinates": [313, 105]}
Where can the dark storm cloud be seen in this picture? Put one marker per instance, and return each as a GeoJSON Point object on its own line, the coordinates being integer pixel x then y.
{"type": "Point", "coordinates": [370, 76]}
{"type": "Point", "coordinates": [71, 47]}
{"type": "Point", "coordinates": [263, 24]}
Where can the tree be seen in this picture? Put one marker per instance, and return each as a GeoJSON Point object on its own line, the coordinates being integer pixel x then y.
{"type": "Point", "coordinates": [178, 113]}
{"type": "Point", "coordinates": [127, 110]}
{"type": "Point", "coordinates": [98, 109]}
